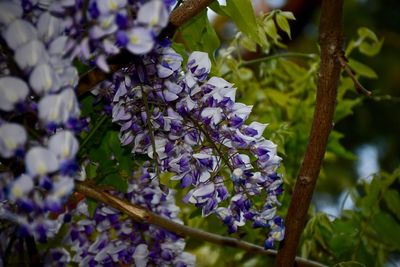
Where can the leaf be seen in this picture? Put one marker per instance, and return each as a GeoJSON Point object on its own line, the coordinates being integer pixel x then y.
{"type": "Point", "coordinates": [392, 200]}
{"type": "Point", "coordinates": [270, 29]}
{"type": "Point", "coordinates": [248, 43]}
{"type": "Point", "coordinates": [337, 148]}
{"type": "Point", "coordinates": [92, 205]}
{"type": "Point", "coordinates": [344, 237]}
{"type": "Point", "coordinates": [345, 108]}
{"type": "Point", "coordinates": [362, 69]}
{"type": "Point", "coordinates": [278, 97]}
{"type": "Point", "coordinates": [387, 229]}
{"type": "Point", "coordinates": [200, 35]}
{"type": "Point", "coordinates": [365, 32]}
{"type": "Point", "coordinates": [349, 264]}
{"type": "Point", "coordinates": [242, 14]}
{"type": "Point", "coordinates": [283, 23]}
{"type": "Point", "coordinates": [117, 181]}
{"type": "Point", "coordinates": [371, 49]}
{"type": "Point", "coordinates": [287, 14]}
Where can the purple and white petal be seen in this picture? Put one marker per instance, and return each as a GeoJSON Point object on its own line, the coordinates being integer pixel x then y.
{"type": "Point", "coordinates": [215, 114]}
{"type": "Point", "coordinates": [153, 13]}
{"type": "Point", "coordinates": [64, 145]}
{"type": "Point", "coordinates": [31, 54]}
{"type": "Point", "coordinates": [141, 40]}
{"type": "Point", "coordinates": [19, 33]}
{"type": "Point", "coordinates": [40, 161]}
{"type": "Point", "coordinates": [12, 91]}
{"type": "Point", "coordinates": [141, 255]}
{"type": "Point", "coordinates": [21, 187]}
{"type": "Point", "coordinates": [44, 79]}
{"type": "Point", "coordinates": [9, 12]}
{"type": "Point", "coordinates": [12, 137]}
{"type": "Point", "coordinates": [48, 27]}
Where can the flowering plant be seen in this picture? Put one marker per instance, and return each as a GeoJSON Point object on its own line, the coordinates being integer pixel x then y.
{"type": "Point", "coordinates": [125, 127]}
{"type": "Point", "coordinates": [176, 119]}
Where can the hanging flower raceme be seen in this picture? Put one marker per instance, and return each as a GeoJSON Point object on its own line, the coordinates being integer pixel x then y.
{"type": "Point", "coordinates": [37, 97]}
{"type": "Point", "coordinates": [108, 238]}
{"type": "Point", "coordinates": [114, 25]}
{"type": "Point", "coordinates": [193, 127]}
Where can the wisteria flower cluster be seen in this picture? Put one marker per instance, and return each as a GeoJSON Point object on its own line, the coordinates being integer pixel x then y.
{"type": "Point", "coordinates": [184, 122]}
{"type": "Point", "coordinates": [193, 128]}
{"type": "Point", "coordinates": [39, 117]}
{"type": "Point", "coordinates": [108, 238]}
{"type": "Point", "coordinates": [113, 25]}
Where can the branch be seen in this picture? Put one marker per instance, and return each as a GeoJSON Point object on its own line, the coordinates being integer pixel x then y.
{"type": "Point", "coordinates": [330, 40]}
{"type": "Point", "coordinates": [343, 63]}
{"type": "Point", "coordinates": [178, 17]}
{"type": "Point", "coordinates": [141, 214]}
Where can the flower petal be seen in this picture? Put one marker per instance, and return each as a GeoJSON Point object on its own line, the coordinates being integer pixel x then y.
{"type": "Point", "coordinates": [12, 91]}
{"type": "Point", "coordinates": [40, 161]}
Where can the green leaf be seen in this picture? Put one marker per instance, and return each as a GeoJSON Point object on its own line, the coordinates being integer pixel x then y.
{"type": "Point", "coordinates": [371, 49]}
{"type": "Point", "coordinates": [365, 32]}
{"type": "Point", "coordinates": [248, 43]}
{"type": "Point", "coordinates": [200, 35]}
{"type": "Point", "coordinates": [349, 264]}
{"type": "Point", "coordinates": [337, 148]}
{"type": "Point", "coordinates": [392, 200]}
{"type": "Point", "coordinates": [278, 97]}
{"type": "Point", "coordinates": [287, 14]}
{"type": "Point", "coordinates": [345, 108]}
{"type": "Point", "coordinates": [362, 69]}
{"type": "Point", "coordinates": [270, 29]}
{"type": "Point", "coordinates": [283, 23]}
{"type": "Point", "coordinates": [92, 205]}
{"type": "Point", "coordinates": [91, 170]}
{"type": "Point", "coordinates": [242, 14]}
{"type": "Point", "coordinates": [117, 181]}
{"type": "Point", "coordinates": [387, 229]}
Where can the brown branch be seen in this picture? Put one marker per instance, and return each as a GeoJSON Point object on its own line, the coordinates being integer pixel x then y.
{"type": "Point", "coordinates": [143, 215]}
{"type": "Point", "coordinates": [330, 40]}
{"type": "Point", "coordinates": [343, 63]}
{"type": "Point", "coordinates": [178, 17]}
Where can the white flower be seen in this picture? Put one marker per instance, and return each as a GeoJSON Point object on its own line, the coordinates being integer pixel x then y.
{"type": "Point", "coordinates": [153, 13]}
{"type": "Point", "coordinates": [9, 12]}
{"type": "Point", "coordinates": [59, 108]}
{"type": "Point", "coordinates": [140, 40]}
{"type": "Point", "coordinates": [64, 145]}
{"type": "Point", "coordinates": [31, 54]}
{"type": "Point", "coordinates": [48, 27]}
{"type": "Point", "coordinates": [12, 91]}
{"type": "Point", "coordinates": [141, 255]}
{"type": "Point", "coordinates": [21, 186]}
{"type": "Point", "coordinates": [18, 33]}
{"type": "Point", "coordinates": [44, 79]}
{"type": "Point", "coordinates": [12, 136]}
{"type": "Point", "coordinates": [40, 161]}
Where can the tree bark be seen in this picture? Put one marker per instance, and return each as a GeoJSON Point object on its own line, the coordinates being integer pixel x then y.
{"type": "Point", "coordinates": [330, 40]}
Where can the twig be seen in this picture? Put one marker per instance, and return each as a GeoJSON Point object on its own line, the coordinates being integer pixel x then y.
{"type": "Point", "coordinates": [178, 17]}
{"type": "Point", "coordinates": [143, 215]}
{"type": "Point", "coordinates": [343, 63]}
{"type": "Point", "coordinates": [330, 40]}
{"type": "Point", "coordinates": [267, 58]}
